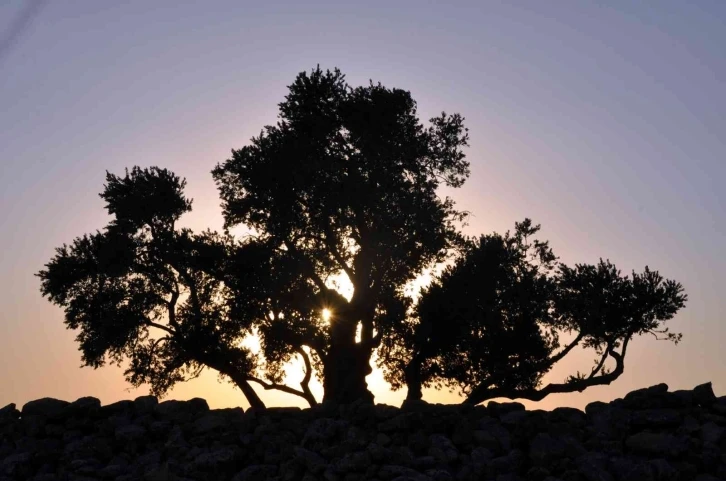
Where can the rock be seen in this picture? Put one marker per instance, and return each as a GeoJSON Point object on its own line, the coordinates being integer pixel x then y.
{"type": "Point", "coordinates": [391, 471]}
{"type": "Point", "coordinates": [322, 429]}
{"type": "Point", "coordinates": [210, 422]}
{"type": "Point", "coordinates": [646, 398]}
{"type": "Point", "coordinates": [513, 418]}
{"type": "Point", "coordinates": [703, 394]}
{"type": "Point", "coordinates": [423, 463]}
{"type": "Point", "coordinates": [439, 475]}
{"type": "Point", "coordinates": [544, 449]}
{"type": "Point", "coordinates": [120, 407]}
{"type": "Point", "coordinates": [9, 412]}
{"type": "Point", "coordinates": [181, 411]}
{"type": "Point", "coordinates": [442, 449]}
{"type": "Point", "coordinates": [506, 464]}
{"type": "Point", "coordinates": [176, 441]}
{"type": "Point", "coordinates": [42, 477]}
{"type": "Point", "coordinates": [595, 407]}
{"type": "Point", "coordinates": [663, 470]}
{"type": "Point", "coordinates": [690, 425]}
{"type": "Point", "coordinates": [145, 404]}
{"type": "Point", "coordinates": [353, 462]}
{"type": "Point", "coordinates": [112, 471]}
{"type": "Point", "coordinates": [130, 433]}
{"type": "Point", "coordinates": [382, 439]}
{"type": "Point", "coordinates": [356, 438]}
{"type": "Point", "coordinates": [84, 406]}
{"type": "Point", "coordinates": [538, 473]}
{"type": "Point", "coordinates": [656, 418]}
{"type": "Point", "coordinates": [158, 473]}
{"type": "Point", "coordinates": [215, 460]}
{"type": "Point", "coordinates": [493, 435]}
{"type": "Point", "coordinates": [681, 399]}
{"type": "Point", "coordinates": [46, 407]}
{"type": "Point", "coordinates": [311, 460]}
{"type": "Point", "coordinates": [12, 464]}
{"type": "Point", "coordinates": [571, 416]}
{"type": "Point", "coordinates": [481, 455]}
{"type": "Point", "coordinates": [256, 472]}
{"type": "Point", "coordinates": [593, 467]}
{"type": "Point", "coordinates": [707, 477]}
{"type": "Point", "coordinates": [628, 469]}
{"type": "Point", "coordinates": [711, 433]}
{"type": "Point", "coordinates": [499, 409]}
{"type": "Point", "coordinates": [656, 444]}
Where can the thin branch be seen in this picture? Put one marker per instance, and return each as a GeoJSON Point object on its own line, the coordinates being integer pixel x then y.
{"type": "Point", "coordinates": [193, 294]}
{"type": "Point", "coordinates": [305, 384]}
{"type": "Point", "coordinates": [336, 255]}
{"type": "Point", "coordinates": [310, 271]}
{"type": "Point", "coordinates": [599, 364]}
{"type": "Point", "coordinates": [554, 359]}
{"type": "Point", "coordinates": [172, 308]}
{"type": "Point", "coordinates": [655, 333]}
{"type": "Point", "coordinates": [308, 367]}
{"type": "Point", "coordinates": [279, 387]}
{"type": "Point", "coordinates": [160, 326]}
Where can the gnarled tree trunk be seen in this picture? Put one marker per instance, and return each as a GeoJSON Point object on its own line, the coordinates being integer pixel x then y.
{"type": "Point", "coordinates": [346, 366]}
{"type": "Point", "coordinates": [413, 379]}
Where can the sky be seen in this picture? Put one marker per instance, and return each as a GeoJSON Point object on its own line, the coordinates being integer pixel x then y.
{"type": "Point", "coordinates": [603, 121]}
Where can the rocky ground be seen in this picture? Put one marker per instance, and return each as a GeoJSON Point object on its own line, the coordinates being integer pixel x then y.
{"type": "Point", "coordinates": [651, 434]}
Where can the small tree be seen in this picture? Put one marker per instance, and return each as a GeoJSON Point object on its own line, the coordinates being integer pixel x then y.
{"type": "Point", "coordinates": [168, 301]}
{"type": "Point", "coordinates": [492, 324]}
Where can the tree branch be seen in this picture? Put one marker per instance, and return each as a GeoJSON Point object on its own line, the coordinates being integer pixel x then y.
{"type": "Point", "coordinates": [600, 364]}
{"type": "Point", "coordinates": [160, 326]}
{"type": "Point", "coordinates": [279, 387]}
{"type": "Point", "coordinates": [556, 358]}
{"type": "Point", "coordinates": [336, 255]}
{"type": "Point", "coordinates": [305, 384]}
{"type": "Point", "coordinates": [482, 393]}
{"type": "Point", "coordinates": [310, 271]}
{"type": "Point", "coordinates": [172, 307]}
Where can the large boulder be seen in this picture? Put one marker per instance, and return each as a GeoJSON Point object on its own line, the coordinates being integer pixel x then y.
{"type": "Point", "coordinates": [46, 407]}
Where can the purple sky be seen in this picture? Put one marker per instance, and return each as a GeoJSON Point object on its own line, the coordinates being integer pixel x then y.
{"type": "Point", "coordinates": [603, 121]}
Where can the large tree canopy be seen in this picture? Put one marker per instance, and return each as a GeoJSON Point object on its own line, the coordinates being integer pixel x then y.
{"type": "Point", "coordinates": [344, 185]}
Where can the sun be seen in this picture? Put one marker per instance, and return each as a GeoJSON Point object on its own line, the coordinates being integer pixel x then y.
{"type": "Point", "coordinates": [326, 314]}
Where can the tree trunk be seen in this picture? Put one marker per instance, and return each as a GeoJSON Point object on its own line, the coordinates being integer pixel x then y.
{"type": "Point", "coordinates": [413, 379]}
{"type": "Point", "coordinates": [227, 368]}
{"type": "Point", "coordinates": [345, 374]}
{"type": "Point", "coordinates": [250, 394]}
{"type": "Point", "coordinates": [347, 363]}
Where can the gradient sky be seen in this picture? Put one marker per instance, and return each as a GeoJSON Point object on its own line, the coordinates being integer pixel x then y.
{"type": "Point", "coordinates": [604, 121]}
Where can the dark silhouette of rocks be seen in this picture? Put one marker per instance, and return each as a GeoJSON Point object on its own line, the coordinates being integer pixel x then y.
{"type": "Point", "coordinates": [650, 434]}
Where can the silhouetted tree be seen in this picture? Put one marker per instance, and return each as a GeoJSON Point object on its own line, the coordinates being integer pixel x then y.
{"type": "Point", "coordinates": [491, 325]}
{"type": "Point", "coordinates": [168, 301]}
{"type": "Point", "coordinates": [345, 184]}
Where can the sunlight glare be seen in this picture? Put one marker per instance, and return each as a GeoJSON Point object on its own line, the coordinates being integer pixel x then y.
{"type": "Point", "coordinates": [326, 314]}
